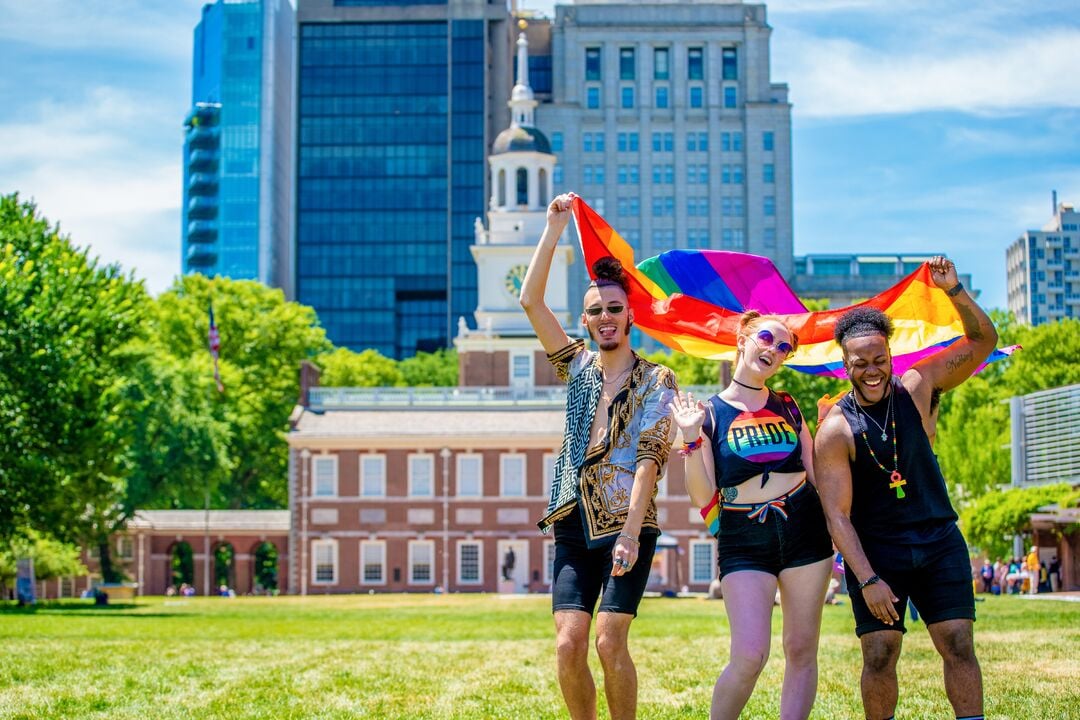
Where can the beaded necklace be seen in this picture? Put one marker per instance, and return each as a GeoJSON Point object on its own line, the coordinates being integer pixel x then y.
{"type": "Point", "coordinates": [896, 480]}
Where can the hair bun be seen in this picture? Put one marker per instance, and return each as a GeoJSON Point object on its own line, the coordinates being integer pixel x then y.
{"type": "Point", "coordinates": [608, 271]}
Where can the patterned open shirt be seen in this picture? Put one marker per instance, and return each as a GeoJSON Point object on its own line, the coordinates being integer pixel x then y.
{"type": "Point", "coordinates": [639, 428]}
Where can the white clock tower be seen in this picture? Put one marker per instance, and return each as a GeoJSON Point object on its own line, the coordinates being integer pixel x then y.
{"type": "Point", "coordinates": [503, 350]}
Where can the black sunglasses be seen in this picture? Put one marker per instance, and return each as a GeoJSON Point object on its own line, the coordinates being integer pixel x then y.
{"type": "Point", "coordinates": [766, 337]}
{"type": "Point", "coordinates": [611, 310]}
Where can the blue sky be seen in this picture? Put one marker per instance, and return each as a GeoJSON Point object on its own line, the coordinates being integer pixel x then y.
{"type": "Point", "coordinates": [919, 125]}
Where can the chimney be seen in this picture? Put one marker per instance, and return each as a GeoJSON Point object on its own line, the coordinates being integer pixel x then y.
{"type": "Point", "coordinates": [1053, 200]}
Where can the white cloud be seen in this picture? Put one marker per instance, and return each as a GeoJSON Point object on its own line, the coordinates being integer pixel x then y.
{"type": "Point", "coordinates": [86, 166]}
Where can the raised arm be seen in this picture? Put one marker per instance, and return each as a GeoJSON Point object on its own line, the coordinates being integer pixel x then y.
{"type": "Point", "coordinates": [833, 449]}
{"type": "Point", "coordinates": [689, 416]}
{"type": "Point", "coordinates": [548, 328]}
{"type": "Point", "coordinates": [956, 363]}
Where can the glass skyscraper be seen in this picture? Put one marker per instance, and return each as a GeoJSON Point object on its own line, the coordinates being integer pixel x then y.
{"type": "Point", "coordinates": [237, 143]}
{"type": "Point", "coordinates": [394, 112]}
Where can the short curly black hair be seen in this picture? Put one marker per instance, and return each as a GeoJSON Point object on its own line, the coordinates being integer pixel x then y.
{"type": "Point", "coordinates": [608, 271]}
{"type": "Point", "coordinates": [862, 321]}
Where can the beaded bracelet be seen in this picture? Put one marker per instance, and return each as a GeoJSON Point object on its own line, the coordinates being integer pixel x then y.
{"type": "Point", "coordinates": [688, 448]}
{"type": "Point", "coordinates": [630, 538]}
{"type": "Point", "coordinates": [869, 581]}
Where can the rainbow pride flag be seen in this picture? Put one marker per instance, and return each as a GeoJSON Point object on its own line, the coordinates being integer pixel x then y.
{"type": "Point", "coordinates": [691, 300]}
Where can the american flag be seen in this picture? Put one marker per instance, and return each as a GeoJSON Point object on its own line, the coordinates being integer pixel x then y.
{"type": "Point", "coordinates": [214, 340]}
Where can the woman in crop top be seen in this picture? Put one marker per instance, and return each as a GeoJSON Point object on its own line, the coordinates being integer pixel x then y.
{"type": "Point", "coordinates": [748, 461]}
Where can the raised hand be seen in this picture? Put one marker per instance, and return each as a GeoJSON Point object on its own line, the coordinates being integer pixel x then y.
{"type": "Point", "coordinates": [558, 212]}
{"type": "Point", "coordinates": [943, 272]}
{"type": "Point", "coordinates": [688, 414]}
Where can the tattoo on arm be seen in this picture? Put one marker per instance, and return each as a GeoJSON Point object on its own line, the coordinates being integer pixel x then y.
{"type": "Point", "coordinates": [957, 362]}
{"type": "Point", "coordinates": [972, 324]}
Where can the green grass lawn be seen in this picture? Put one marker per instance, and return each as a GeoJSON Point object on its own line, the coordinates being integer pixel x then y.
{"type": "Point", "coordinates": [467, 656]}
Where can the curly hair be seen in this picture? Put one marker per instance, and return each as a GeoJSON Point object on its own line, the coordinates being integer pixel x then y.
{"type": "Point", "coordinates": [752, 318]}
{"type": "Point", "coordinates": [860, 322]}
{"type": "Point", "coordinates": [608, 271]}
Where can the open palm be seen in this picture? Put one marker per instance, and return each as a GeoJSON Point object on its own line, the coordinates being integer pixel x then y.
{"type": "Point", "coordinates": [689, 414]}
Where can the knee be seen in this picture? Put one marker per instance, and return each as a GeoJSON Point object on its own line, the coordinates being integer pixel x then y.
{"type": "Point", "coordinates": [880, 657]}
{"type": "Point", "coordinates": [571, 647]}
{"type": "Point", "coordinates": [610, 647]}
{"type": "Point", "coordinates": [801, 652]}
{"type": "Point", "coordinates": [958, 648]}
{"type": "Point", "coordinates": [748, 661]}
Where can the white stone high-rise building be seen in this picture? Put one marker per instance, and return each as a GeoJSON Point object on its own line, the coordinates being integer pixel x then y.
{"type": "Point", "coordinates": [1043, 269]}
{"type": "Point", "coordinates": [666, 120]}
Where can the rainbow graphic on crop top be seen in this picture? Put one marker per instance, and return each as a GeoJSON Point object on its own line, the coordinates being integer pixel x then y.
{"type": "Point", "coordinates": [761, 436]}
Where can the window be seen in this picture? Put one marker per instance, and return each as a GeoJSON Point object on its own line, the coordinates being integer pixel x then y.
{"type": "Point", "coordinates": [372, 562]}
{"type": "Point", "coordinates": [586, 142]}
{"type": "Point", "coordinates": [557, 176]}
{"type": "Point", "coordinates": [556, 142]}
{"type": "Point", "coordinates": [592, 63]}
{"type": "Point", "coordinates": [737, 206]}
{"type": "Point", "coordinates": [626, 96]}
{"type": "Point", "coordinates": [512, 475]}
{"type": "Point", "coordinates": [586, 174]}
{"type": "Point", "coordinates": [470, 471]}
{"type": "Point", "coordinates": [730, 96]}
{"type": "Point", "coordinates": [769, 206]}
{"type": "Point", "coordinates": [627, 64]}
{"type": "Point", "coordinates": [736, 174]}
{"type": "Point", "coordinates": [695, 64]}
{"type": "Point", "coordinates": [470, 570]}
{"type": "Point", "coordinates": [663, 240]}
{"type": "Point", "coordinates": [736, 141]}
{"type": "Point", "coordinates": [421, 562]}
{"type": "Point", "coordinates": [629, 175]}
{"type": "Point", "coordinates": [324, 476]}
{"type": "Point", "coordinates": [628, 142]}
{"type": "Point", "coordinates": [549, 472]}
{"type": "Point", "coordinates": [730, 64]}
{"type": "Point", "coordinates": [696, 96]}
{"type": "Point", "coordinates": [697, 240]}
{"type": "Point", "coordinates": [768, 173]}
{"type": "Point", "coordinates": [697, 141]}
{"type": "Point", "coordinates": [661, 97]}
{"type": "Point", "coordinates": [592, 97]}
{"type": "Point", "coordinates": [598, 141]}
{"type": "Point", "coordinates": [663, 174]}
{"type": "Point", "coordinates": [768, 237]}
{"type": "Point", "coordinates": [768, 140]}
{"type": "Point", "coordinates": [521, 367]}
{"type": "Point", "coordinates": [725, 142]}
{"type": "Point", "coordinates": [324, 559]}
{"type": "Point", "coordinates": [663, 206]}
{"type": "Point", "coordinates": [421, 476]}
{"type": "Point", "coordinates": [702, 563]}
{"type": "Point", "coordinates": [549, 561]}
{"type": "Point", "coordinates": [372, 476]}
{"type": "Point", "coordinates": [628, 206]}
{"type": "Point", "coordinates": [661, 64]}
{"type": "Point", "coordinates": [725, 207]}
{"type": "Point", "coordinates": [697, 206]}
{"type": "Point", "coordinates": [663, 142]}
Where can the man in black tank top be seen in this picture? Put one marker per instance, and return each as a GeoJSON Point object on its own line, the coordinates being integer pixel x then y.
{"type": "Point", "coordinates": [887, 505]}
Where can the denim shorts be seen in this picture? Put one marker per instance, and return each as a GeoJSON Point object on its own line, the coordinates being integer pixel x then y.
{"type": "Point", "coordinates": [935, 575]}
{"type": "Point", "coordinates": [786, 532]}
{"type": "Point", "coordinates": [581, 575]}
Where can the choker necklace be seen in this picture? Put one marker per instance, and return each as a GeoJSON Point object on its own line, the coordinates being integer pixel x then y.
{"type": "Point", "coordinates": [748, 387]}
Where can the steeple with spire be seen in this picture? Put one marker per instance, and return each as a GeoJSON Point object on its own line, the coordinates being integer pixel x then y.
{"type": "Point", "coordinates": [521, 165]}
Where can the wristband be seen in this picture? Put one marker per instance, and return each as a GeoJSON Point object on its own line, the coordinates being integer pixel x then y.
{"type": "Point", "coordinates": [868, 581]}
{"type": "Point", "coordinates": [630, 538]}
{"type": "Point", "coordinates": [955, 290]}
{"type": "Point", "coordinates": [688, 448]}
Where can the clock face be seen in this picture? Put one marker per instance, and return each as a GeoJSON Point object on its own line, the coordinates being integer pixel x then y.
{"type": "Point", "coordinates": [514, 277]}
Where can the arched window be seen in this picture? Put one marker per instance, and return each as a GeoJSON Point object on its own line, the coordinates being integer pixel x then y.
{"type": "Point", "coordinates": [502, 188]}
{"type": "Point", "coordinates": [522, 186]}
{"type": "Point", "coordinates": [543, 196]}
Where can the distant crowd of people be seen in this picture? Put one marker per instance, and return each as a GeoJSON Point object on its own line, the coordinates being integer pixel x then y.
{"type": "Point", "coordinates": [1028, 575]}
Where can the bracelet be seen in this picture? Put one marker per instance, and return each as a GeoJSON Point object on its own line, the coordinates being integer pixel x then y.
{"type": "Point", "coordinates": [955, 290]}
{"type": "Point", "coordinates": [630, 538]}
{"type": "Point", "coordinates": [869, 581]}
{"type": "Point", "coordinates": [688, 448]}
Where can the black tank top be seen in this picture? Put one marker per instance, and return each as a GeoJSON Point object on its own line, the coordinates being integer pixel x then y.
{"type": "Point", "coordinates": [924, 513]}
{"type": "Point", "coordinates": [746, 443]}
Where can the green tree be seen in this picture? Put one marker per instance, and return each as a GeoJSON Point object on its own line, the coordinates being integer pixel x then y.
{"type": "Point", "coordinates": [65, 324]}
{"type": "Point", "coordinates": [344, 368]}
{"type": "Point", "coordinates": [240, 432]}
{"type": "Point", "coordinates": [435, 369]}
{"type": "Point", "coordinates": [991, 521]}
{"type": "Point", "coordinates": [52, 558]}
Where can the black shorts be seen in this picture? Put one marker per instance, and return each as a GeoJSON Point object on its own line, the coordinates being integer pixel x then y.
{"type": "Point", "coordinates": [935, 575]}
{"type": "Point", "coordinates": [787, 532]}
{"type": "Point", "coordinates": [581, 574]}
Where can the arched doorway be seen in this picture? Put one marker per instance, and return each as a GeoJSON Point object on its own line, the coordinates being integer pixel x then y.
{"type": "Point", "coordinates": [181, 566]}
{"type": "Point", "coordinates": [224, 567]}
{"type": "Point", "coordinates": [265, 569]}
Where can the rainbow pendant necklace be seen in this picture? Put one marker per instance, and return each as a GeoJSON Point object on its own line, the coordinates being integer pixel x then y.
{"type": "Point", "coordinates": [896, 480]}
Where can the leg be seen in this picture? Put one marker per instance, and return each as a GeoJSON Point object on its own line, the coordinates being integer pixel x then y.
{"type": "Point", "coordinates": [572, 660]}
{"type": "Point", "coordinates": [880, 651]}
{"type": "Point", "coordinates": [620, 675]}
{"type": "Point", "coordinates": [802, 597]}
{"type": "Point", "coordinates": [748, 600]}
{"type": "Point", "coordinates": [963, 678]}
